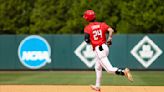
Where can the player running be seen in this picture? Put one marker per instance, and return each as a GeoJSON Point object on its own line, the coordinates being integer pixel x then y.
{"type": "Point", "coordinates": [95, 34]}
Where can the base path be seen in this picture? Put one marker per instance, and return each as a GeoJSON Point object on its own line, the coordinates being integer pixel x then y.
{"type": "Point", "coordinates": [72, 88]}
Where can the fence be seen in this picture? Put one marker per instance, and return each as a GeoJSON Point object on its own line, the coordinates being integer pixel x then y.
{"type": "Point", "coordinates": [70, 52]}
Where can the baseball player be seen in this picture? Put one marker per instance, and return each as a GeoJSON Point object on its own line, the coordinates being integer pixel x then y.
{"type": "Point", "coordinates": [95, 34]}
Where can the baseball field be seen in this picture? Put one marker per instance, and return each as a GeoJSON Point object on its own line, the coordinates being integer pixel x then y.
{"type": "Point", "coordinates": [74, 81]}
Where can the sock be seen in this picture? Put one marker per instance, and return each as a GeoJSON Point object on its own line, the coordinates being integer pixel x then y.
{"type": "Point", "coordinates": [120, 72]}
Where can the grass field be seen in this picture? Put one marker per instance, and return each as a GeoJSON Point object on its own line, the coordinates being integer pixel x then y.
{"type": "Point", "coordinates": [141, 78]}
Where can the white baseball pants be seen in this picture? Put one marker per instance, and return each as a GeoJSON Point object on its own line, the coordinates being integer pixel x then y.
{"type": "Point", "coordinates": [102, 61]}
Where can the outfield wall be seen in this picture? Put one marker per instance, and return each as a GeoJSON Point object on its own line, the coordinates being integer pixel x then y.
{"type": "Point", "coordinates": [70, 52]}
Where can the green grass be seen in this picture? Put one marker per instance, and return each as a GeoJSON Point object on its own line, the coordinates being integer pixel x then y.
{"type": "Point", "coordinates": [141, 78]}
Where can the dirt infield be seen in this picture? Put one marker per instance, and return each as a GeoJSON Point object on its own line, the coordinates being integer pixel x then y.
{"type": "Point", "coordinates": [70, 88]}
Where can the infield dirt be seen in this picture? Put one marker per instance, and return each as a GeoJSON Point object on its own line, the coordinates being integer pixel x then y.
{"type": "Point", "coordinates": [72, 88]}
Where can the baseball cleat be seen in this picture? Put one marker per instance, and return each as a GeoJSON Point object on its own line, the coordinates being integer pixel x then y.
{"type": "Point", "coordinates": [128, 74]}
{"type": "Point", "coordinates": [97, 89]}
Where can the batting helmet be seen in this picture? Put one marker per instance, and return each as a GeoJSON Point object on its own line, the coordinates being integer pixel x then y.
{"type": "Point", "coordinates": [89, 15]}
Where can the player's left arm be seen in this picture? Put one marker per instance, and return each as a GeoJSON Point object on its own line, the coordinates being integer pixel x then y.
{"type": "Point", "coordinates": [87, 38]}
{"type": "Point", "coordinates": [109, 40]}
{"type": "Point", "coordinates": [87, 35]}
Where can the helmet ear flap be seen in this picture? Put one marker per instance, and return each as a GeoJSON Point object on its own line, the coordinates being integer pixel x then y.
{"type": "Point", "coordinates": [84, 16]}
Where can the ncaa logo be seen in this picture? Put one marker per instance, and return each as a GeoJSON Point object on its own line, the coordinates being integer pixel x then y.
{"type": "Point", "coordinates": [34, 52]}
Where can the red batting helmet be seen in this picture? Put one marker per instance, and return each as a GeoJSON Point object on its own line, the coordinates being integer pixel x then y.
{"type": "Point", "coordinates": [89, 15]}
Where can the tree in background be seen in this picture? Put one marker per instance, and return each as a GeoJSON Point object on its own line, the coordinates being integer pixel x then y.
{"type": "Point", "coordinates": [141, 16]}
{"type": "Point", "coordinates": [49, 16]}
{"type": "Point", "coordinates": [65, 16]}
{"type": "Point", "coordinates": [14, 16]}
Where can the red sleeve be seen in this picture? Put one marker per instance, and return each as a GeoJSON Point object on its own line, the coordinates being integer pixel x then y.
{"type": "Point", "coordinates": [86, 30]}
{"type": "Point", "coordinates": [105, 26]}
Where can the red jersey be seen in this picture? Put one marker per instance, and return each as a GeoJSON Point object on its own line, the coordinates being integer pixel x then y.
{"type": "Point", "coordinates": [97, 32]}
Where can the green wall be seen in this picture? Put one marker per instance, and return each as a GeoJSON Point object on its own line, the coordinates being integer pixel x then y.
{"type": "Point", "coordinates": [63, 56]}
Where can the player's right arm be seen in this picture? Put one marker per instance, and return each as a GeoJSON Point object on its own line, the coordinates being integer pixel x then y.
{"type": "Point", "coordinates": [110, 31]}
{"type": "Point", "coordinates": [109, 40]}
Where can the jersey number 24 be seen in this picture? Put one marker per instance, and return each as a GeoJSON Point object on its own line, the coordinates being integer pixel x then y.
{"type": "Point", "coordinates": [97, 34]}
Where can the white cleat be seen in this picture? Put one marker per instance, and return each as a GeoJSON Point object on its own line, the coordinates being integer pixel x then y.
{"type": "Point", "coordinates": [128, 74]}
{"type": "Point", "coordinates": [97, 89]}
